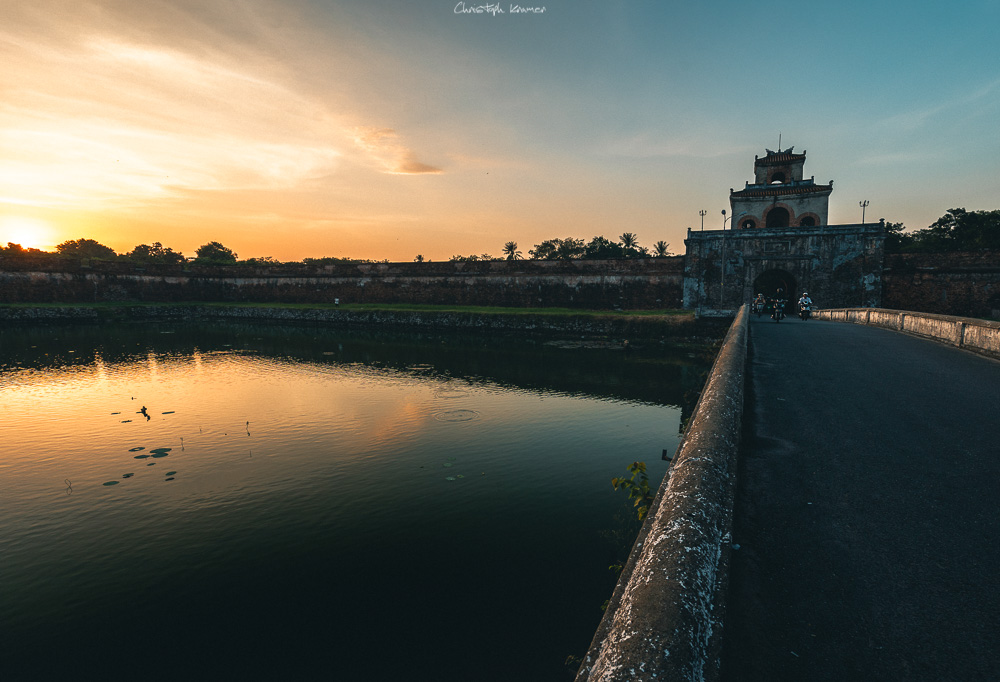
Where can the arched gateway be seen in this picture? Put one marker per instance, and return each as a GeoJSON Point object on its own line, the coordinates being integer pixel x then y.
{"type": "Point", "coordinates": [770, 281]}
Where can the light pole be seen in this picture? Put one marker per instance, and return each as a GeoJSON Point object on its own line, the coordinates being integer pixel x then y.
{"type": "Point", "coordinates": [863, 205]}
{"type": "Point", "coordinates": [724, 219]}
{"type": "Point", "coordinates": [703, 213]}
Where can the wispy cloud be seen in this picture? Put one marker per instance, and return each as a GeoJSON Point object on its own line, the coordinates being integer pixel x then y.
{"type": "Point", "coordinates": [651, 144]}
{"type": "Point", "coordinates": [112, 114]}
{"type": "Point", "coordinates": [910, 121]}
{"type": "Point", "coordinates": [385, 146]}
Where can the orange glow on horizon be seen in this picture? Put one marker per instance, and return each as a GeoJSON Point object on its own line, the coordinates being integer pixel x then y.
{"type": "Point", "coordinates": [30, 233]}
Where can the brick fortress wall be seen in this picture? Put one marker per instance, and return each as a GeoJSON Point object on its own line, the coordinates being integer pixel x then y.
{"type": "Point", "coordinates": [963, 284]}
{"type": "Point", "coordinates": [647, 283]}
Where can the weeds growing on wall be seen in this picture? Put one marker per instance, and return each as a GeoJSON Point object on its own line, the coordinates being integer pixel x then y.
{"type": "Point", "coordinates": [637, 488]}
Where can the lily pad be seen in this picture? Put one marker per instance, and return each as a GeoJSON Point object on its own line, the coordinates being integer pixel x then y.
{"type": "Point", "coordinates": [460, 476]}
{"type": "Point", "coordinates": [151, 464]}
{"type": "Point", "coordinates": [168, 412]}
{"type": "Point", "coordinates": [111, 483]}
{"type": "Point", "coordinates": [126, 421]}
{"type": "Point", "coordinates": [448, 478]}
{"type": "Point", "coordinates": [141, 457]}
{"type": "Point", "coordinates": [170, 473]}
{"type": "Point", "coordinates": [169, 479]}
{"type": "Point", "coordinates": [136, 449]}
{"type": "Point", "coordinates": [127, 475]}
{"type": "Point", "coordinates": [447, 464]}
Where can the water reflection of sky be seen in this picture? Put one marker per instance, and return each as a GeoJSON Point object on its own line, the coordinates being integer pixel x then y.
{"type": "Point", "coordinates": [247, 459]}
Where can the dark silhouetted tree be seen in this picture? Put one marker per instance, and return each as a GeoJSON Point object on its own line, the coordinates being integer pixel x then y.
{"type": "Point", "coordinates": [602, 248]}
{"type": "Point", "coordinates": [956, 230]}
{"type": "Point", "coordinates": [214, 252]}
{"type": "Point", "coordinates": [85, 248]}
{"type": "Point", "coordinates": [510, 251]}
{"type": "Point", "coordinates": [660, 249]}
{"type": "Point", "coordinates": [154, 253]}
{"type": "Point", "coordinates": [558, 249]}
{"type": "Point", "coordinates": [961, 230]}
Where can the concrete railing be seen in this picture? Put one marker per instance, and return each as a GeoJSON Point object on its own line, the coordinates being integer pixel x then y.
{"type": "Point", "coordinates": [664, 620]}
{"type": "Point", "coordinates": [981, 336]}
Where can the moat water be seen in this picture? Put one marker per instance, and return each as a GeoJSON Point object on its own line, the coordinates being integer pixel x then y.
{"type": "Point", "coordinates": [306, 503]}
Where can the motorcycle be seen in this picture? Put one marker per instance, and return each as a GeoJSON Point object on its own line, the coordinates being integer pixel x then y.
{"type": "Point", "coordinates": [758, 307]}
{"type": "Point", "coordinates": [805, 311]}
{"type": "Point", "coordinates": [779, 311]}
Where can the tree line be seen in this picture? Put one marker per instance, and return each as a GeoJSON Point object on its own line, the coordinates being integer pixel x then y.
{"type": "Point", "coordinates": [598, 248]}
{"type": "Point", "coordinates": [212, 253]}
{"type": "Point", "coordinates": [956, 230]}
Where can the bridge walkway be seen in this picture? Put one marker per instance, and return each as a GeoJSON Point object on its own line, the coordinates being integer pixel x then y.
{"type": "Point", "coordinates": [868, 509]}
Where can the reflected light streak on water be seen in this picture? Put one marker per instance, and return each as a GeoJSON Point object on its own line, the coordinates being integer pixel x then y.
{"type": "Point", "coordinates": [315, 509]}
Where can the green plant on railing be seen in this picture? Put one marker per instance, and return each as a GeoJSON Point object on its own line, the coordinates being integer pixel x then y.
{"type": "Point", "coordinates": [637, 487]}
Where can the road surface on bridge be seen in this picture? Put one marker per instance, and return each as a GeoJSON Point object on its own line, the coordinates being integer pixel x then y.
{"type": "Point", "coordinates": [868, 509]}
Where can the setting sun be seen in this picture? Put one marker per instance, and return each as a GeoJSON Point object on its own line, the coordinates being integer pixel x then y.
{"type": "Point", "coordinates": [31, 233]}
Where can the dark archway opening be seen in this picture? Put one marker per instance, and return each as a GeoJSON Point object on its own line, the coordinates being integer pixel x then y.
{"type": "Point", "coordinates": [808, 221]}
{"type": "Point", "coordinates": [778, 178]}
{"type": "Point", "coordinates": [777, 217]}
{"type": "Point", "coordinates": [770, 281]}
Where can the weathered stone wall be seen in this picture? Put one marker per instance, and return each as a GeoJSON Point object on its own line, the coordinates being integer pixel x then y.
{"type": "Point", "coordinates": [966, 284]}
{"type": "Point", "coordinates": [632, 284]}
{"type": "Point", "coordinates": [839, 265]}
{"type": "Point", "coordinates": [613, 325]}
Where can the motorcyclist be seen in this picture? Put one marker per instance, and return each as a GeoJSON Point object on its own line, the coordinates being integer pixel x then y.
{"type": "Point", "coordinates": [778, 305]}
{"type": "Point", "coordinates": [805, 305]}
{"type": "Point", "coordinates": [759, 303]}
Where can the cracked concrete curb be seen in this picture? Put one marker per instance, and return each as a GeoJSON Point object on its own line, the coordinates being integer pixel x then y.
{"type": "Point", "coordinates": [664, 620]}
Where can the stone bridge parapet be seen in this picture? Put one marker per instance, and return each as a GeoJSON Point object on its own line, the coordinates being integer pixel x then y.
{"type": "Point", "coordinates": [980, 336]}
{"type": "Point", "coordinates": [664, 620]}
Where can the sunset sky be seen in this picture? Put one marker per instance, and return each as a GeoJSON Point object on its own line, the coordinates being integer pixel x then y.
{"type": "Point", "coordinates": [390, 128]}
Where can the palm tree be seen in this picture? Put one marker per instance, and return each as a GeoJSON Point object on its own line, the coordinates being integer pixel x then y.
{"type": "Point", "coordinates": [629, 240]}
{"type": "Point", "coordinates": [511, 252]}
{"type": "Point", "coordinates": [660, 249]}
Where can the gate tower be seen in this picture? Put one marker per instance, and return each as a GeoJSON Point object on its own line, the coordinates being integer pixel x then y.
{"type": "Point", "coordinates": [780, 235]}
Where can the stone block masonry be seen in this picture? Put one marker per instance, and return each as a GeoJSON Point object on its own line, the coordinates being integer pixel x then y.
{"type": "Point", "coordinates": [965, 284]}
{"type": "Point", "coordinates": [646, 283]}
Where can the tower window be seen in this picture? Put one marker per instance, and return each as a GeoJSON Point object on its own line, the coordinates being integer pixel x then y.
{"type": "Point", "coordinates": [777, 178]}
{"type": "Point", "coordinates": [808, 221]}
{"type": "Point", "coordinates": [777, 217]}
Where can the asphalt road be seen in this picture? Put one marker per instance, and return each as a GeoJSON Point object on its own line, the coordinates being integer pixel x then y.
{"type": "Point", "coordinates": [867, 511]}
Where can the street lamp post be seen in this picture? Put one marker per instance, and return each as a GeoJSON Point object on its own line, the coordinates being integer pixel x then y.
{"type": "Point", "coordinates": [863, 205]}
{"type": "Point", "coordinates": [703, 213]}
{"type": "Point", "coordinates": [722, 294]}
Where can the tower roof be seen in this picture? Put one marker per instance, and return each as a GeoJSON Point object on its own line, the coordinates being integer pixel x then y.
{"type": "Point", "coordinates": [801, 187]}
{"type": "Point", "coordinates": [780, 157]}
